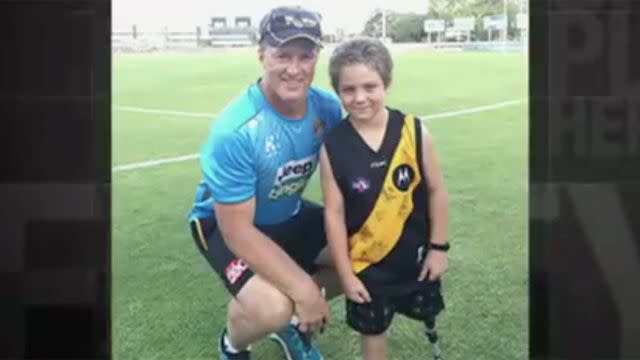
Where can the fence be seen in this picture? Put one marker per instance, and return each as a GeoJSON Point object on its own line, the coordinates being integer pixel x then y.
{"type": "Point", "coordinates": [138, 40]}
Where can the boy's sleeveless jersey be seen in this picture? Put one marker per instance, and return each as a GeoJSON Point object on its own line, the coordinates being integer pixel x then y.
{"type": "Point", "coordinates": [253, 151]}
{"type": "Point", "coordinates": [385, 199]}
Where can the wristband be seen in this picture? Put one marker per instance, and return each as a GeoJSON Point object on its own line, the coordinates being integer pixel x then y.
{"type": "Point", "coordinates": [439, 247]}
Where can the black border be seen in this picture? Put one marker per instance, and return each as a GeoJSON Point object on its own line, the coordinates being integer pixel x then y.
{"type": "Point", "coordinates": [584, 178]}
{"type": "Point", "coordinates": [55, 103]}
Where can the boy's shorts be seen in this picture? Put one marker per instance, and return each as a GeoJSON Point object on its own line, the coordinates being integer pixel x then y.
{"type": "Point", "coordinates": [373, 318]}
{"type": "Point", "coordinates": [302, 237]}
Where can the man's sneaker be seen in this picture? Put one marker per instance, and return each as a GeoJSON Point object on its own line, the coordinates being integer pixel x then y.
{"type": "Point", "coordinates": [296, 344]}
{"type": "Point", "coordinates": [225, 355]}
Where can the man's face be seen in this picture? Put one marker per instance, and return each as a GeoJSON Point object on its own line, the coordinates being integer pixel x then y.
{"type": "Point", "coordinates": [289, 69]}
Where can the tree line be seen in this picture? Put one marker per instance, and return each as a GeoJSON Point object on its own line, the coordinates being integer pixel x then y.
{"type": "Point", "coordinates": [403, 27]}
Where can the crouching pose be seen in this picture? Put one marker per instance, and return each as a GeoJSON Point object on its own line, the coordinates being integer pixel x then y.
{"type": "Point", "coordinates": [265, 242]}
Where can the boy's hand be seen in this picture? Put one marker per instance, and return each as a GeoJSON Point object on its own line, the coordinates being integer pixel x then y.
{"type": "Point", "coordinates": [434, 265]}
{"type": "Point", "coordinates": [355, 290]}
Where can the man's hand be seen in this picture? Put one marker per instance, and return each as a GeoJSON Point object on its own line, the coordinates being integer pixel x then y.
{"type": "Point", "coordinates": [434, 265]}
{"type": "Point", "coordinates": [312, 309]}
{"type": "Point", "coordinates": [355, 290]}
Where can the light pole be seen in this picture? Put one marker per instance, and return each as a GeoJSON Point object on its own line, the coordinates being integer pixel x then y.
{"type": "Point", "coordinates": [384, 25]}
{"type": "Point", "coordinates": [506, 23]}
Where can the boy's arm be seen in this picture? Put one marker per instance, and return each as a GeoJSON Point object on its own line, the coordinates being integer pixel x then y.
{"type": "Point", "coordinates": [335, 227]}
{"type": "Point", "coordinates": [336, 230]}
{"type": "Point", "coordinates": [438, 196]}
{"type": "Point", "coordinates": [436, 263]}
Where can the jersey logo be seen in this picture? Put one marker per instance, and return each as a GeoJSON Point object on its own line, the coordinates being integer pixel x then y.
{"type": "Point", "coordinates": [378, 164]}
{"type": "Point", "coordinates": [360, 185]}
{"type": "Point", "coordinates": [270, 147]}
{"type": "Point", "coordinates": [403, 176]}
{"type": "Point", "coordinates": [292, 177]}
{"type": "Point", "coordinates": [234, 270]}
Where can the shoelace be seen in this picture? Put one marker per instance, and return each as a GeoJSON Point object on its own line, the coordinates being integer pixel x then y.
{"type": "Point", "coordinates": [305, 338]}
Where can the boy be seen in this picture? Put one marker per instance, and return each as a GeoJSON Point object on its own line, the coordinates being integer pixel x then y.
{"type": "Point", "coordinates": [386, 206]}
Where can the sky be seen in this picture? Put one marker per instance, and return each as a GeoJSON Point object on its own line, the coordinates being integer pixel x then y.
{"type": "Point", "coordinates": [184, 15]}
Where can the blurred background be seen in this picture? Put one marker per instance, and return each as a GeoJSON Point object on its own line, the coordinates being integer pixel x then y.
{"type": "Point", "coordinates": [144, 25]}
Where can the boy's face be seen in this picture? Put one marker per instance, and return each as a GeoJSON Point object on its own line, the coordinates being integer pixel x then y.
{"type": "Point", "coordinates": [289, 69]}
{"type": "Point", "coordinates": [362, 91]}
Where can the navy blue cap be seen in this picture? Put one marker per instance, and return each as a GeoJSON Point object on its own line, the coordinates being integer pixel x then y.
{"type": "Point", "coordinates": [286, 23]}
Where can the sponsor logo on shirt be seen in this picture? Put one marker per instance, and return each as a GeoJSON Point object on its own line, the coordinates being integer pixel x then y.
{"type": "Point", "coordinates": [360, 185]}
{"type": "Point", "coordinates": [292, 177]}
{"type": "Point", "coordinates": [234, 270]}
{"type": "Point", "coordinates": [403, 176]}
{"type": "Point", "coordinates": [270, 146]}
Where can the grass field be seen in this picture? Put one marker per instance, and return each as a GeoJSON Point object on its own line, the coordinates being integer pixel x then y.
{"type": "Point", "coordinates": [168, 304]}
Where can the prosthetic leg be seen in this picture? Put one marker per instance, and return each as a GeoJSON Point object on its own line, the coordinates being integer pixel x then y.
{"type": "Point", "coordinates": [432, 334]}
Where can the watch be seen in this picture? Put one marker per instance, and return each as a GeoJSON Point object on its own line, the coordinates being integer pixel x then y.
{"type": "Point", "coordinates": [440, 247]}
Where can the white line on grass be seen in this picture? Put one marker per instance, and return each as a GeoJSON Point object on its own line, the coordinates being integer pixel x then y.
{"type": "Point", "coordinates": [152, 163]}
{"type": "Point", "coordinates": [146, 164]}
{"type": "Point", "coordinates": [164, 112]}
{"type": "Point", "coordinates": [471, 110]}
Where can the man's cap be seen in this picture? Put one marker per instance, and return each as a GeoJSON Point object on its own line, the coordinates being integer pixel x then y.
{"type": "Point", "coordinates": [287, 23]}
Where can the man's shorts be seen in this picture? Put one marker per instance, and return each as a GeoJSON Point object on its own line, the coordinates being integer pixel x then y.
{"type": "Point", "coordinates": [373, 318]}
{"type": "Point", "coordinates": [302, 237]}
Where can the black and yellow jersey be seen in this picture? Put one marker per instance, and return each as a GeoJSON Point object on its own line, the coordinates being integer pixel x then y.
{"type": "Point", "coordinates": [385, 199]}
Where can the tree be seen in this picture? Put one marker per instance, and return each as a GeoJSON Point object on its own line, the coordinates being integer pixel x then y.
{"type": "Point", "coordinates": [439, 9]}
{"type": "Point", "coordinates": [400, 27]}
{"type": "Point", "coordinates": [449, 9]}
{"type": "Point", "coordinates": [407, 28]}
{"type": "Point", "coordinates": [373, 26]}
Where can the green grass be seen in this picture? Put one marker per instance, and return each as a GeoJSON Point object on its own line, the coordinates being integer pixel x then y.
{"type": "Point", "coordinates": [168, 304]}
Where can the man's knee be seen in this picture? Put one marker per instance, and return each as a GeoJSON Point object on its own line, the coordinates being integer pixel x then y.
{"type": "Point", "coordinates": [263, 304]}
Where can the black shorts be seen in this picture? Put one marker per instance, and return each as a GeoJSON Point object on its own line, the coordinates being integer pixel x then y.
{"type": "Point", "coordinates": [373, 318]}
{"type": "Point", "coordinates": [302, 237]}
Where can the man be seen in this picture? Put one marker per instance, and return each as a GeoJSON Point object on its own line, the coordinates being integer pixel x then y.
{"type": "Point", "coordinates": [249, 220]}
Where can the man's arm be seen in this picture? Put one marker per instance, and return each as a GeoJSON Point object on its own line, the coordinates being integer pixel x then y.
{"type": "Point", "coordinates": [263, 256]}
{"type": "Point", "coordinates": [228, 163]}
{"type": "Point", "coordinates": [229, 166]}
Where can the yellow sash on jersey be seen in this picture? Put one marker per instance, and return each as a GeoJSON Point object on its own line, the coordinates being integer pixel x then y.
{"type": "Point", "coordinates": [383, 227]}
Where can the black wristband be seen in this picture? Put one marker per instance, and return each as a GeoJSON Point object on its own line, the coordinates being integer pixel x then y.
{"type": "Point", "coordinates": [439, 247]}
